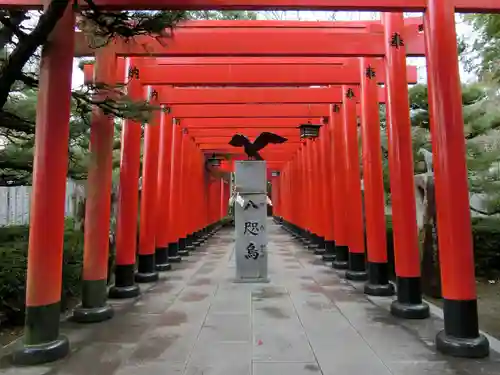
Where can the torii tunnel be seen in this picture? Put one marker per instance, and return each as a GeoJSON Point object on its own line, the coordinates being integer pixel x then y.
{"type": "Point", "coordinates": [218, 78]}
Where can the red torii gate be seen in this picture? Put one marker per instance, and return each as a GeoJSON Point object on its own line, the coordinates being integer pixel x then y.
{"type": "Point", "coordinates": [460, 336]}
{"type": "Point", "coordinates": [461, 6]}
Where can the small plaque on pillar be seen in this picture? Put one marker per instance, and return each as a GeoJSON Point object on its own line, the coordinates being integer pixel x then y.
{"type": "Point", "coordinates": [251, 222]}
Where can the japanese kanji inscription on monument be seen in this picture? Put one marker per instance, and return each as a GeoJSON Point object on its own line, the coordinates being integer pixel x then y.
{"type": "Point", "coordinates": [250, 221]}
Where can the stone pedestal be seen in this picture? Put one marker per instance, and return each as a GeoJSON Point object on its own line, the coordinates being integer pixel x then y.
{"type": "Point", "coordinates": [251, 222]}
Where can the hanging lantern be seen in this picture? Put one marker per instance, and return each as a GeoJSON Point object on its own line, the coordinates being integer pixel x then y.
{"type": "Point", "coordinates": [309, 131]}
{"type": "Point", "coordinates": [214, 161]}
{"type": "Point", "coordinates": [275, 173]}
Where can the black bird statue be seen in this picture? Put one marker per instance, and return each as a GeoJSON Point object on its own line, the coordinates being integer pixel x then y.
{"type": "Point", "coordinates": [252, 149]}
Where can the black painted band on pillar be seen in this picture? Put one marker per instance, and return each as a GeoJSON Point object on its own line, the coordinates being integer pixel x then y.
{"type": "Point", "coordinates": [341, 257]}
{"type": "Point", "coordinates": [409, 304]}
{"type": "Point", "coordinates": [161, 259]}
{"type": "Point", "coordinates": [357, 267]}
{"type": "Point", "coordinates": [378, 280]}
{"type": "Point", "coordinates": [146, 270]}
{"type": "Point", "coordinates": [125, 286]}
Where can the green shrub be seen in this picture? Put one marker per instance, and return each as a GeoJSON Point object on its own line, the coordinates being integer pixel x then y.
{"type": "Point", "coordinates": [486, 240]}
{"type": "Point", "coordinates": [486, 237]}
{"type": "Point", "coordinates": [13, 262]}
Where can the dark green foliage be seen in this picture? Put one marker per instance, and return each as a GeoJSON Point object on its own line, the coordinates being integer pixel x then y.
{"type": "Point", "coordinates": [13, 262]}
{"type": "Point", "coordinates": [486, 239]}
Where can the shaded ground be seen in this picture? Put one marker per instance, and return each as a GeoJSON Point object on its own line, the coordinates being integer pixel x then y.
{"type": "Point", "coordinates": [489, 307]}
{"type": "Point", "coordinates": [306, 321]}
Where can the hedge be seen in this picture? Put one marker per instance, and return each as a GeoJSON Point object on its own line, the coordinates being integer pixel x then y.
{"type": "Point", "coordinates": [486, 240]}
{"type": "Point", "coordinates": [13, 262]}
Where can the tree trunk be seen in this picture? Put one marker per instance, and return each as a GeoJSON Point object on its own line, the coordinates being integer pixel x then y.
{"type": "Point", "coordinates": [431, 272]}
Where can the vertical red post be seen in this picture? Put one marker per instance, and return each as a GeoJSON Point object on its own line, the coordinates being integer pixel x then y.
{"type": "Point", "coordinates": [98, 204]}
{"type": "Point", "coordinates": [317, 197]}
{"type": "Point", "coordinates": [191, 203]}
{"type": "Point", "coordinates": [460, 336]}
{"type": "Point", "coordinates": [163, 208]}
{"type": "Point", "coordinates": [406, 252]}
{"type": "Point", "coordinates": [378, 270]}
{"type": "Point", "coordinates": [357, 269]}
{"type": "Point", "coordinates": [180, 196]}
{"type": "Point", "coordinates": [306, 197]}
{"type": "Point", "coordinates": [128, 201]}
{"type": "Point", "coordinates": [42, 342]}
{"type": "Point", "coordinates": [326, 181]}
{"type": "Point", "coordinates": [340, 191]}
{"type": "Point", "coordinates": [146, 268]}
{"type": "Point", "coordinates": [175, 171]}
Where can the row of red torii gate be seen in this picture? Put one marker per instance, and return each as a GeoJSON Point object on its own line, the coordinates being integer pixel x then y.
{"type": "Point", "coordinates": [217, 78]}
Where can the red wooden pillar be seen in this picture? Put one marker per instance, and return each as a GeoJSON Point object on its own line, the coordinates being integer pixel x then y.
{"type": "Point", "coordinates": [340, 192]}
{"type": "Point", "coordinates": [318, 197]}
{"type": "Point", "coordinates": [378, 270]}
{"type": "Point", "coordinates": [307, 209]}
{"type": "Point", "coordinates": [174, 217]}
{"type": "Point", "coordinates": [128, 201]}
{"type": "Point", "coordinates": [275, 195]}
{"type": "Point", "coordinates": [98, 204]}
{"type": "Point", "coordinates": [181, 196]}
{"type": "Point", "coordinates": [406, 252]}
{"type": "Point", "coordinates": [227, 195]}
{"type": "Point", "coordinates": [42, 342]}
{"type": "Point", "coordinates": [193, 196]}
{"type": "Point", "coordinates": [460, 336]}
{"type": "Point", "coordinates": [163, 229]}
{"type": "Point", "coordinates": [326, 181]}
{"type": "Point", "coordinates": [357, 269]}
{"type": "Point", "coordinates": [146, 268]}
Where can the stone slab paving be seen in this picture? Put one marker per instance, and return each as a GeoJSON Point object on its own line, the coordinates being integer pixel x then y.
{"type": "Point", "coordinates": [306, 321]}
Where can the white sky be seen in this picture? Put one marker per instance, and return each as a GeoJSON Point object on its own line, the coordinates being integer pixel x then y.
{"type": "Point", "coordinates": [462, 30]}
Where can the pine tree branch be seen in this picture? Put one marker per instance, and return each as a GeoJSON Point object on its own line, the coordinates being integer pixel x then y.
{"type": "Point", "coordinates": [23, 51]}
{"type": "Point", "coordinates": [11, 26]}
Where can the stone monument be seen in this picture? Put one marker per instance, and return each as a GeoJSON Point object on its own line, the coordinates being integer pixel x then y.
{"type": "Point", "coordinates": [250, 211]}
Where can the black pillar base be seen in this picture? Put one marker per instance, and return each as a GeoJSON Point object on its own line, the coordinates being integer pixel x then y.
{"type": "Point", "coordinates": [42, 342]}
{"type": "Point", "coordinates": [409, 304]}
{"type": "Point", "coordinates": [146, 270]}
{"type": "Point", "coordinates": [124, 283]}
{"type": "Point", "coordinates": [340, 264]}
{"type": "Point", "coordinates": [320, 241]}
{"type": "Point", "coordinates": [182, 251]}
{"type": "Point", "coordinates": [312, 246]}
{"type": "Point", "coordinates": [146, 277]}
{"type": "Point", "coordinates": [161, 259]}
{"type": "Point", "coordinates": [341, 257]}
{"type": "Point", "coordinates": [356, 275]}
{"type": "Point", "coordinates": [478, 347]}
{"type": "Point", "coordinates": [379, 290]}
{"type": "Point", "coordinates": [173, 255]}
{"type": "Point", "coordinates": [329, 255]}
{"type": "Point", "coordinates": [94, 307]}
{"type": "Point", "coordinates": [92, 314]}
{"type": "Point", "coordinates": [378, 280]}
{"type": "Point", "coordinates": [31, 355]}
{"type": "Point", "coordinates": [122, 292]}
{"type": "Point", "coordinates": [357, 268]}
{"type": "Point", "coordinates": [461, 337]}
{"type": "Point", "coordinates": [410, 311]}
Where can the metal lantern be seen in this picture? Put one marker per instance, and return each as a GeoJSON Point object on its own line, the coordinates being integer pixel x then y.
{"type": "Point", "coordinates": [309, 131]}
{"type": "Point", "coordinates": [214, 161]}
{"type": "Point", "coordinates": [275, 173]}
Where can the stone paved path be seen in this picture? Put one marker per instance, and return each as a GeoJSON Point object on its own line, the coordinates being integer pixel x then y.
{"type": "Point", "coordinates": [306, 321]}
